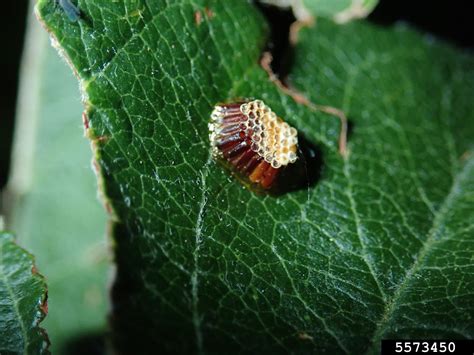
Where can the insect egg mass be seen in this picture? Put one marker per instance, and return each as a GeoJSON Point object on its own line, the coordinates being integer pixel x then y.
{"type": "Point", "coordinates": [256, 142]}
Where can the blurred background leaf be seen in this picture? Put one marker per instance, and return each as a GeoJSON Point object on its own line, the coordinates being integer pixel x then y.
{"type": "Point", "coordinates": [338, 10]}
{"type": "Point", "coordinates": [51, 197]}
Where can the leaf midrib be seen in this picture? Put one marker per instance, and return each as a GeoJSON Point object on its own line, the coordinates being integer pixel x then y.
{"type": "Point", "coordinates": [197, 320]}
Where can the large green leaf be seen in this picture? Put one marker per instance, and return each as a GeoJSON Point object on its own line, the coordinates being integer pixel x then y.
{"type": "Point", "coordinates": [52, 194]}
{"type": "Point", "coordinates": [380, 246]}
{"type": "Point", "coordinates": [23, 302]}
{"type": "Point", "coordinates": [408, 185]}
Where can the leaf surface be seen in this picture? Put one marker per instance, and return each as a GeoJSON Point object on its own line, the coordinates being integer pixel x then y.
{"type": "Point", "coordinates": [22, 301]}
{"type": "Point", "coordinates": [376, 248]}
{"type": "Point", "coordinates": [409, 180]}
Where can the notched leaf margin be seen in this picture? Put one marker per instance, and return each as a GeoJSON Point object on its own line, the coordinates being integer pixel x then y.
{"type": "Point", "coordinates": [95, 140]}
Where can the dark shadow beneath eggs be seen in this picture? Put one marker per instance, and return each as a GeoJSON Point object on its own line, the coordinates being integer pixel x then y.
{"type": "Point", "coordinates": [304, 173]}
{"type": "Point", "coordinates": [91, 344]}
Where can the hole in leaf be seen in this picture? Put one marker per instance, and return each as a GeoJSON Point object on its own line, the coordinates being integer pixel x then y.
{"type": "Point", "coordinates": [279, 44]}
{"type": "Point", "coordinates": [350, 127]}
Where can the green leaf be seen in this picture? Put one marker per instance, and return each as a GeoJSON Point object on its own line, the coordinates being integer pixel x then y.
{"type": "Point", "coordinates": [52, 194]}
{"type": "Point", "coordinates": [23, 302]}
{"type": "Point", "coordinates": [381, 246]}
{"type": "Point", "coordinates": [339, 10]}
{"type": "Point", "coordinates": [409, 181]}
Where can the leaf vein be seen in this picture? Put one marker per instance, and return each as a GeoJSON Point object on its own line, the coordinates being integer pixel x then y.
{"type": "Point", "coordinates": [391, 306]}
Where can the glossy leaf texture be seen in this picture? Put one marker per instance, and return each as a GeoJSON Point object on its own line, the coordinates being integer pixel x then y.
{"type": "Point", "coordinates": [379, 246]}
{"type": "Point", "coordinates": [22, 301]}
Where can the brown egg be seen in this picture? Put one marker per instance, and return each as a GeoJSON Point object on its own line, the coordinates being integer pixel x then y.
{"type": "Point", "coordinates": [256, 142]}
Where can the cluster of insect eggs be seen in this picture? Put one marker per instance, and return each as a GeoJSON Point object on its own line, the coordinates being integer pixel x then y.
{"type": "Point", "coordinates": [253, 140]}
